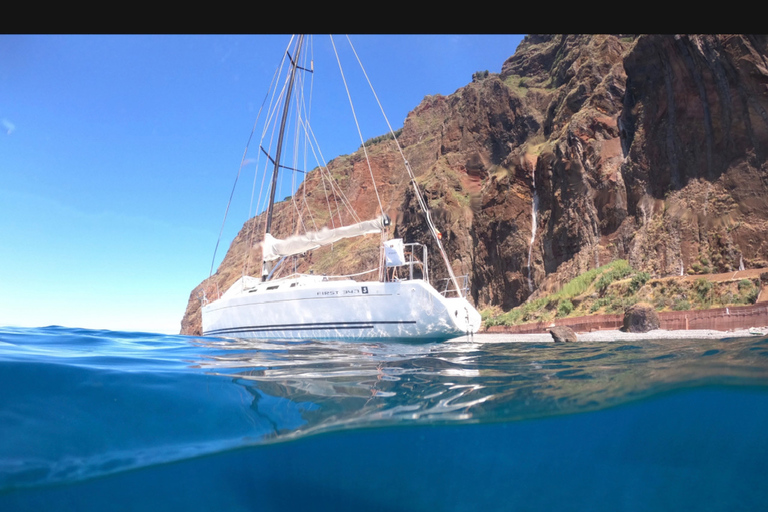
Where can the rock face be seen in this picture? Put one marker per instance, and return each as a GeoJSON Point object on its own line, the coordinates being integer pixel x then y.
{"type": "Point", "coordinates": [583, 149]}
{"type": "Point", "coordinates": [640, 318]}
{"type": "Point", "coordinates": [562, 333]}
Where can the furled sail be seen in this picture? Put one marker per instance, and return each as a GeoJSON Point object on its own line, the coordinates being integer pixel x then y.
{"type": "Point", "coordinates": [274, 248]}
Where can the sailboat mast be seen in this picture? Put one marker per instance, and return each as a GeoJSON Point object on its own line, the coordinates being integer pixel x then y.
{"type": "Point", "coordinates": [286, 107]}
{"type": "Point", "coordinates": [294, 65]}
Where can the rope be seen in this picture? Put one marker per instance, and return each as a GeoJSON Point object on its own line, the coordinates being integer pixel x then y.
{"type": "Point", "coordinates": [303, 208]}
{"type": "Point", "coordinates": [419, 197]}
{"type": "Point", "coordinates": [332, 276]}
{"type": "Point", "coordinates": [302, 126]}
{"type": "Point", "coordinates": [336, 191]}
{"type": "Point", "coordinates": [272, 110]}
{"type": "Point", "coordinates": [226, 211]}
{"type": "Point", "coordinates": [326, 174]}
{"type": "Point", "coordinates": [239, 171]}
{"type": "Point", "coordinates": [354, 275]}
{"type": "Point", "coordinates": [357, 124]}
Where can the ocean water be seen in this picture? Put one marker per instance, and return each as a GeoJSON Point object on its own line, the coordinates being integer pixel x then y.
{"type": "Point", "coordinates": [101, 420]}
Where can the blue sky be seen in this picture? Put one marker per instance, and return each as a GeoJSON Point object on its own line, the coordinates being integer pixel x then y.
{"type": "Point", "coordinates": [118, 154]}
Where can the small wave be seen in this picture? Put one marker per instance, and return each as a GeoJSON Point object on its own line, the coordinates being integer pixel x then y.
{"type": "Point", "coordinates": [83, 403]}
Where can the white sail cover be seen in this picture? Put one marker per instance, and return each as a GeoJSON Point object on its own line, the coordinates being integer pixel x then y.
{"type": "Point", "coordinates": [274, 248]}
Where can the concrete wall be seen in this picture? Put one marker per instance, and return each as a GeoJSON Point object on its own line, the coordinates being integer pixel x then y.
{"type": "Point", "coordinates": [721, 319]}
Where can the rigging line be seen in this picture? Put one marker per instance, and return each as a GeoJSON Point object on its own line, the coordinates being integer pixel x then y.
{"type": "Point", "coordinates": [272, 110]}
{"type": "Point", "coordinates": [294, 154]}
{"type": "Point", "coordinates": [237, 177]}
{"type": "Point", "coordinates": [323, 167]}
{"type": "Point", "coordinates": [357, 125]}
{"type": "Point", "coordinates": [295, 212]}
{"type": "Point", "coordinates": [420, 199]}
{"type": "Point", "coordinates": [353, 275]}
{"type": "Point", "coordinates": [301, 102]}
{"type": "Point", "coordinates": [292, 74]}
{"type": "Point", "coordinates": [270, 127]}
{"type": "Point", "coordinates": [307, 142]}
{"type": "Point", "coordinates": [226, 211]}
{"type": "Point", "coordinates": [302, 205]}
{"type": "Point", "coordinates": [373, 91]}
{"type": "Point", "coordinates": [302, 188]}
{"type": "Point", "coordinates": [335, 187]}
{"type": "Point", "coordinates": [325, 174]}
{"type": "Point", "coordinates": [300, 147]}
{"type": "Point", "coordinates": [327, 201]}
{"type": "Point", "coordinates": [321, 162]}
{"type": "Point", "coordinates": [315, 147]}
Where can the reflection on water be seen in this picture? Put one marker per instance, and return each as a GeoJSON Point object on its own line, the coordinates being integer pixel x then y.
{"type": "Point", "coordinates": [311, 387]}
{"type": "Point", "coordinates": [81, 404]}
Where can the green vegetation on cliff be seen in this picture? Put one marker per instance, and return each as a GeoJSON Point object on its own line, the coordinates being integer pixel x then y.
{"type": "Point", "coordinates": [565, 302]}
{"type": "Point", "coordinates": [612, 288]}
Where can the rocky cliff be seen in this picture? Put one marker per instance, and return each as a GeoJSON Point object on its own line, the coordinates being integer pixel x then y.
{"type": "Point", "coordinates": [582, 150]}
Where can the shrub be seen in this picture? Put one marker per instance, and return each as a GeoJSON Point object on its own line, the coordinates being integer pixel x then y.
{"type": "Point", "coordinates": [620, 304]}
{"type": "Point", "coordinates": [702, 287]}
{"type": "Point", "coordinates": [748, 292]}
{"type": "Point", "coordinates": [380, 138]}
{"type": "Point", "coordinates": [745, 285]}
{"type": "Point", "coordinates": [578, 284]}
{"type": "Point", "coordinates": [601, 303]}
{"type": "Point", "coordinates": [615, 270]}
{"type": "Point", "coordinates": [638, 280]}
{"type": "Point", "coordinates": [727, 298]}
{"type": "Point", "coordinates": [660, 302]}
{"type": "Point", "coordinates": [565, 308]}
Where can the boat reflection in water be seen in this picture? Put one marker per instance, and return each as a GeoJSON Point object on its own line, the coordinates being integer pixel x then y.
{"type": "Point", "coordinates": [317, 386]}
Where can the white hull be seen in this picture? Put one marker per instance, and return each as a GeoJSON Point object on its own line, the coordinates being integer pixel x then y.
{"type": "Point", "coordinates": [309, 307]}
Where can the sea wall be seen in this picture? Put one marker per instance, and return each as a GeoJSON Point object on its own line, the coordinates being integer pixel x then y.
{"type": "Point", "coordinates": [721, 319]}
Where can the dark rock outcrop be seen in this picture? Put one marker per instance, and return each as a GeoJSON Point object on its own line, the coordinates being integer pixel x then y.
{"type": "Point", "coordinates": [648, 148]}
{"type": "Point", "coordinates": [561, 333]}
{"type": "Point", "coordinates": [640, 318]}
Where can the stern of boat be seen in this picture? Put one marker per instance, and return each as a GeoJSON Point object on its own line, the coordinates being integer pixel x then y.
{"type": "Point", "coordinates": [464, 314]}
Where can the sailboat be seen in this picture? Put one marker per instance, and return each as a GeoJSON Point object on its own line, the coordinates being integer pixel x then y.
{"type": "Point", "coordinates": [402, 305]}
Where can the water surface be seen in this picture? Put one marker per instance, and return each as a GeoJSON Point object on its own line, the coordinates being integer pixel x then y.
{"type": "Point", "coordinates": [101, 420]}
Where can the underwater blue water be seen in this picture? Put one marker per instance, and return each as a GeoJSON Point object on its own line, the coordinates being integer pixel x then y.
{"type": "Point", "coordinates": [102, 420]}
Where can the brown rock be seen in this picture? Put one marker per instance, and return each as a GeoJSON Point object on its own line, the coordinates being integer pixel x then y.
{"type": "Point", "coordinates": [640, 318]}
{"type": "Point", "coordinates": [562, 333]}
